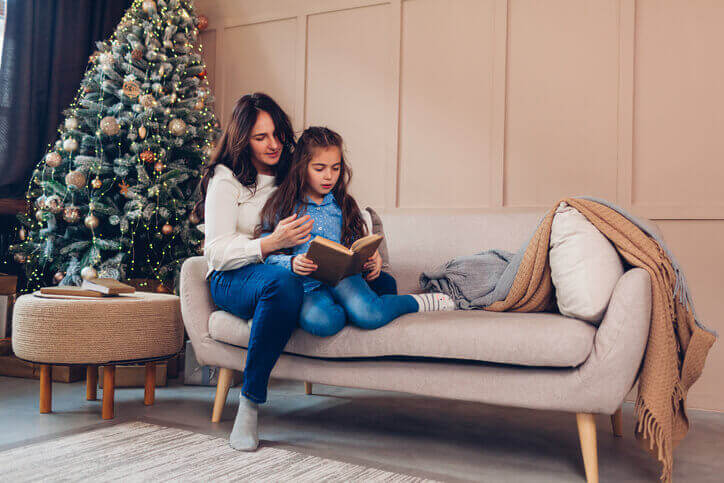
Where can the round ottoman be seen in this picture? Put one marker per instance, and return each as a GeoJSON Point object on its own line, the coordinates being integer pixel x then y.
{"type": "Point", "coordinates": [142, 327]}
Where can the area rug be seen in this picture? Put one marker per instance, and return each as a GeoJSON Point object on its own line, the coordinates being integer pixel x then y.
{"type": "Point", "coordinates": [139, 451]}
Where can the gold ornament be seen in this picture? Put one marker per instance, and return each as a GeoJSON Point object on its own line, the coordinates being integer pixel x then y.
{"type": "Point", "coordinates": [71, 214]}
{"type": "Point", "coordinates": [158, 166]}
{"type": "Point", "coordinates": [70, 145]}
{"type": "Point", "coordinates": [200, 248]}
{"type": "Point", "coordinates": [123, 187]}
{"type": "Point", "coordinates": [22, 234]}
{"type": "Point", "coordinates": [58, 277]}
{"type": "Point", "coordinates": [149, 7]}
{"type": "Point", "coordinates": [109, 126]}
{"type": "Point", "coordinates": [75, 178]}
{"type": "Point", "coordinates": [161, 288]}
{"type": "Point", "coordinates": [53, 159]}
{"type": "Point", "coordinates": [54, 204]}
{"type": "Point", "coordinates": [132, 89]}
{"type": "Point", "coordinates": [88, 272]}
{"type": "Point", "coordinates": [203, 22]}
{"type": "Point", "coordinates": [177, 127]}
{"type": "Point", "coordinates": [193, 218]}
{"type": "Point", "coordinates": [199, 105]}
{"type": "Point", "coordinates": [91, 222]}
{"type": "Point", "coordinates": [96, 183]}
{"type": "Point", "coordinates": [142, 132]}
{"type": "Point", "coordinates": [166, 229]}
{"type": "Point", "coordinates": [71, 123]}
{"type": "Point", "coordinates": [20, 257]}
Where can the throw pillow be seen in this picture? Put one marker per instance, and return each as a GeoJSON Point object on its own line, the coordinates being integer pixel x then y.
{"type": "Point", "coordinates": [585, 266]}
{"type": "Point", "coordinates": [378, 228]}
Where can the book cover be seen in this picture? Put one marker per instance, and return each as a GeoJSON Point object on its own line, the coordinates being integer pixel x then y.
{"type": "Point", "coordinates": [335, 261]}
{"type": "Point", "coordinates": [109, 286]}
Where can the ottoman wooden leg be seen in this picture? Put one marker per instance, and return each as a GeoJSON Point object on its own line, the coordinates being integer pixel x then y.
{"type": "Point", "coordinates": [307, 388]}
{"type": "Point", "coordinates": [149, 394]}
{"type": "Point", "coordinates": [222, 390]}
{"type": "Point", "coordinates": [109, 383]}
{"type": "Point", "coordinates": [46, 388]}
{"type": "Point", "coordinates": [91, 382]}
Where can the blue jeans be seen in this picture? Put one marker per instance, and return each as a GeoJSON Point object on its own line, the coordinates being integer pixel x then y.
{"type": "Point", "coordinates": [325, 310]}
{"type": "Point", "coordinates": [272, 296]}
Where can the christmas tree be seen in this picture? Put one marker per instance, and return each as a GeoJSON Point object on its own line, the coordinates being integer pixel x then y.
{"type": "Point", "coordinates": [113, 196]}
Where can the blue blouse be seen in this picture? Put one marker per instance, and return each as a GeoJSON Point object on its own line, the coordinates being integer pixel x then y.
{"type": "Point", "coordinates": [327, 218]}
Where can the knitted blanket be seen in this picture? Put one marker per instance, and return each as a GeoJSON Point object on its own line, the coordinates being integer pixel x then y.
{"type": "Point", "coordinates": [677, 345]}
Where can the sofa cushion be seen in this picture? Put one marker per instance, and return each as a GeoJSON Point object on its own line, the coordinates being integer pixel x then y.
{"type": "Point", "coordinates": [538, 339]}
{"type": "Point", "coordinates": [585, 266]}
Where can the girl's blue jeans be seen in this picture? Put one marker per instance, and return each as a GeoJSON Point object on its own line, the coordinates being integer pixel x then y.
{"type": "Point", "coordinates": [273, 297]}
{"type": "Point", "coordinates": [326, 309]}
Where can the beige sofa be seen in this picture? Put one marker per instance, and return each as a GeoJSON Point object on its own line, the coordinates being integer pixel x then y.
{"type": "Point", "coordinates": [536, 361]}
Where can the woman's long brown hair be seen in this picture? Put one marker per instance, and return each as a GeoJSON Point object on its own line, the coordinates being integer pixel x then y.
{"type": "Point", "coordinates": [233, 148]}
{"type": "Point", "coordinates": [292, 192]}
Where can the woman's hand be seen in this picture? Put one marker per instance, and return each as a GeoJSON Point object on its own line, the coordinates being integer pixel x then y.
{"type": "Point", "coordinates": [291, 232]}
{"type": "Point", "coordinates": [301, 265]}
{"type": "Point", "coordinates": [374, 265]}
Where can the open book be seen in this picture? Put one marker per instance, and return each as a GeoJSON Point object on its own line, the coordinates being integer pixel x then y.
{"type": "Point", "coordinates": [335, 261]}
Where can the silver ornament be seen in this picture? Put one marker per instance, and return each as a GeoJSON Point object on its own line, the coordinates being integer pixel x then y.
{"type": "Point", "coordinates": [177, 127]}
{"type": "Point", "coordinates": [70, 145]}
{"type": "Point", "coordinates": [71, 123]}
{"type": "Point", "coordinates": [88, 272]}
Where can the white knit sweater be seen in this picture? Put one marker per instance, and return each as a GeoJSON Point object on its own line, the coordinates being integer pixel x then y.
{"type": "Point", "coordinates": [231, 214]}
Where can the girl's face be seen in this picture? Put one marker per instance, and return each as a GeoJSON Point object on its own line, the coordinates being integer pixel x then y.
{"type": "Point", "coordinates": [264, 144]}
{"type": "Point", "coordinates": [323, 172]}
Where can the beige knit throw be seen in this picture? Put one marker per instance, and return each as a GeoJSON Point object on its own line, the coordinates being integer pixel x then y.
{"type": "Point", "coordinates": [677, 347]}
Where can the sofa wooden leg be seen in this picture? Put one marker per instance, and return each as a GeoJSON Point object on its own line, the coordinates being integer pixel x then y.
{"type": "Point", "coordinates": [587, 435]}
{"type": "Point", "coordinates": [222, 390]}
{"type": "Point", "coordinates": [617, 423]}
{"type": "Point", "coordinates": [46, 388]}
{"type": "Point", "coordinates": [109, 388]}
{"type": "Point", "coordinates": [149, 392]}
{"type": "Point", "coordinates": [307, 388]}
{"type": "Point", "coordinates": [91, 382]}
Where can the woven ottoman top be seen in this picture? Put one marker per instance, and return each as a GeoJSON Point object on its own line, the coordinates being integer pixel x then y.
{"type": "Point", "coordinates": [86, 330]}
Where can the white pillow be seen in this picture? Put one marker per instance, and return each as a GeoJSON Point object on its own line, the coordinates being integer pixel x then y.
{"type": "Point", "coordinates": [585, 266]}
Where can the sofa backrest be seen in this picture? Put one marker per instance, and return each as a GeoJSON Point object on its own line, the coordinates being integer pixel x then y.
{"type": "Point", "coordinates": [421, 240]}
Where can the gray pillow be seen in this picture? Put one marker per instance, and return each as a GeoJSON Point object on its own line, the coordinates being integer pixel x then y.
{"type": "Point", "coordinates": [378, 228]}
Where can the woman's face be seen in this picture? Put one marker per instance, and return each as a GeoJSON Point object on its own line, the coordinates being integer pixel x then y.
{"type": "Point", "coordinates": [264, 144]}
{"type": "Point", "coordinates": [323, 172]}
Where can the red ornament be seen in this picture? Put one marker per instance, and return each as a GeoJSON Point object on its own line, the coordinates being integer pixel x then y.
{"type": "Point", "coordinates": [202, 74]}
{"type": "Point", "coordinates": [203, 23]}
{"type": "Point", "coordinates": [147, 157]}
{"type": "Point", "coordinates": [166, 229]}
{"type": "Point", "coordinates": [137, 54]}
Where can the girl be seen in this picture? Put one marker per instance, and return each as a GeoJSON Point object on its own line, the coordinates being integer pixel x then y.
{"type": "Point", "coordinates": [317, 187]}
{"type": "Point", "coordinates": [252, 158]}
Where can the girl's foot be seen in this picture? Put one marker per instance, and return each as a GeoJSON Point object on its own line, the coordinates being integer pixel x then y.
{"type": "Point", "coordinates": [430, 302]}
{"type": "Point", "coordinates": [244, 435]}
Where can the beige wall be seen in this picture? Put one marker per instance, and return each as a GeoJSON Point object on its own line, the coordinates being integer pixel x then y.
{"type": "Point", "coordinates": [506, 103]}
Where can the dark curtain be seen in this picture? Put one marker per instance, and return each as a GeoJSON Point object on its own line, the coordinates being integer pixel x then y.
{"type": "Point", "coordinates": [44, 57]}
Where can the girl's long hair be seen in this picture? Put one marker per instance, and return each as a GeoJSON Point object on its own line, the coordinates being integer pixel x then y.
{"type": "Point", "coordinates": [233, 148]}
{"type": "Point", "coordinates": [292, 191]}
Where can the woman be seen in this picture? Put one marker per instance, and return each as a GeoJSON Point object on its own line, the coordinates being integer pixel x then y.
{"type": "Point", "coordinates": [252, 158]}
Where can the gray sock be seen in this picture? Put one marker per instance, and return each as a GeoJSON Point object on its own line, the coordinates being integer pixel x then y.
{"type": "Point", "coordinates": [244, 435]}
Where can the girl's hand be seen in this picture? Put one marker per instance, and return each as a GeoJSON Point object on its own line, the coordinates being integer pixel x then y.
{"type": "Point", "coordinates": [374, 265]}
{"type": "Point", "coordinates": [301, 265]}
{"type": "Point", "coordinates": [291, 232]}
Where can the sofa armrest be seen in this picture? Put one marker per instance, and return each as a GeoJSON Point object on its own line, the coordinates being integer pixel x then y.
{"type": "Point", "coordinates": [620, 341]}
{"type": "Point", "coordinates": [196, 302]}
